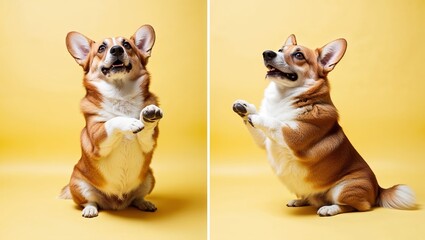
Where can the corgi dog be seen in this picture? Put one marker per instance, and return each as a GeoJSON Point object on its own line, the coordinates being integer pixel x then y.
{"type": "Point", "coordinates": [297, 125]}
{"type": "Point", "coordinates": [121, 129]}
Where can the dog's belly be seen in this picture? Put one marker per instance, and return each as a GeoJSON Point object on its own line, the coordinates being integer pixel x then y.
{"type": "Point", "coordinates": [289, 170]}
{"type": "Point", "coordinates": [121, 168]}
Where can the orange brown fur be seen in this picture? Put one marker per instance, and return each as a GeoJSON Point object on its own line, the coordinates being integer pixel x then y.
{"type": "Point", "coordinates": [118, 116]}
{"type": "Point", "coordinates": [298, 126]}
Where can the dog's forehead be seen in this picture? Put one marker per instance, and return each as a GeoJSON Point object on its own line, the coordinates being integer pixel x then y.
{"type": "Point", "coordinates": [289, 49]}
{"type": "Point", "coordinates": [113, 41]}
{"type": "Point", "coordinates": [293, 48]}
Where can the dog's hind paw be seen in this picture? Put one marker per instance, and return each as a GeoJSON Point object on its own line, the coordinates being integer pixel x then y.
{"type": "Point", "coordinates": [90, 210]}
{"type": "Point", "coordinates": [331, 210]}
{"type": "Point", "coordinates": [145, 206]}
{"type": "Point", "coordinates": [297, 203]}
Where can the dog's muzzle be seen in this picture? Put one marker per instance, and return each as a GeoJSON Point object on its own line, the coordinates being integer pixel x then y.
{"type": "Point", "coordinates": [269, 57]}
{"type": "Point", "coordinates": [118, 64]}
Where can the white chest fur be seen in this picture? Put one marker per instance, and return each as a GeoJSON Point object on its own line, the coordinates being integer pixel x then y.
{"type": "Point", "coordinates": [125, 100]}
{"type": "Point", "coordinates": [278, 104]}
{"type": "Point", "coordinates": [122, 164]}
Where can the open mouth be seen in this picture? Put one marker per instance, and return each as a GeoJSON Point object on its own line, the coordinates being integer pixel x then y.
{"type": "Point", "coordinates": [273, 72]}
{"type": "Point", "coordinates": [117, 66]}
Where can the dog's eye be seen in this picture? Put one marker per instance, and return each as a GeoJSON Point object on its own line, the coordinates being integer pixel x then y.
{"type": "Point", "coordinates": [126, 45]}
{"type": "Point", "coordinates": [280, 50]}
{"type": "Point", "coordinates": [101, 49]}
{"type": "Point", "coordinates": [299, 56]}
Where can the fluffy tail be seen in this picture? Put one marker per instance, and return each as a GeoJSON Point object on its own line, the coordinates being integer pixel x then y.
{"type": "Point", "coordinates": [398, 197]}
{"type": "Point", "coordinates": [65, 193]}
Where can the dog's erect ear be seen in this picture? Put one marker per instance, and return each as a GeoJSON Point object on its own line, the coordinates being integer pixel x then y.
{"type": "Point", "coordinates": [331, 53]}
{"type": "Point", "coordinates": [79, 46]}
{"type": "Point", "coordinates": [144, 38]}
{"type": "Point", "coordinates": [291, 40]}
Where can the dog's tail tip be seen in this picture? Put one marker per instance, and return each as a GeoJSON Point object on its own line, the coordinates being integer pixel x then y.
{"type": "Point", "coordinates": [397, 197]}
{"type": "Point", "coordinates": [65, 193]}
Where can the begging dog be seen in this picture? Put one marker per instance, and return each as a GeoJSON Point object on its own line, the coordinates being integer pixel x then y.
{"type": "Point", "coordinates": [121, 129]}
{"type": "Point", "coordinates": [297, 125]}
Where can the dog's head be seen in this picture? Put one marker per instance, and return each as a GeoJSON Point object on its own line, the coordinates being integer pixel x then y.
{"type": "Point", "coordinates": [113, 59]}
{"type": "Point", "coordinates": [292, 64]}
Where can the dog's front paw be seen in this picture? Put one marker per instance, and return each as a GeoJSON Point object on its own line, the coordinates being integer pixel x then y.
{"type": "Point", "coordinates": [254, 120]}
{"type": "Point", "coordinates": [243, 108]}
{"type": "Point", "coordinates": [124, 125]}
{"type": "Point", "coordinates": [132, 126]}
{"type": "Point", "coordinates": [151, 113]}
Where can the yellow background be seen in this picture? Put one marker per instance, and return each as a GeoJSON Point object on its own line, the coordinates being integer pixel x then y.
{"type": "Point", "coordinates": [40, 123]}
{"type": "Point", "coordinates": [378, 88]}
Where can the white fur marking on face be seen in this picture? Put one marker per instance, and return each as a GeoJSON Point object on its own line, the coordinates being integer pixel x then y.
{"type": "Point", "coordinates": [109, 59]}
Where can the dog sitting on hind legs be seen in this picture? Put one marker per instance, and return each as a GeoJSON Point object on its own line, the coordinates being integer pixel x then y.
{"type": "Point", "coordinates": [297, 125]}
{"type": "Point", "coordinates": [121, 131]}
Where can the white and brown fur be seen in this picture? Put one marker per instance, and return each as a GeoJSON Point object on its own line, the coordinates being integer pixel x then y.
{"type": "Point", "coordinates": [121, 129]}
{"type": "Point", "coordinates": [307, 148]}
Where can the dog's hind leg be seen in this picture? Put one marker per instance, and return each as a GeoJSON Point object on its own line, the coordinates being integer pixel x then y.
{"type": "Point", "coordinates": [144, 189]}
{"type": "Point", "coordinates": [86, 196]}
{"type": "Point", "coordinates": [348, 196]}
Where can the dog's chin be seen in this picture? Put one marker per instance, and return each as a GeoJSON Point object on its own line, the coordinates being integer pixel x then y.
{"type": "Point", "coordinates": [275, 73]}
{"type": "Point", "coordinates": [117, 67]}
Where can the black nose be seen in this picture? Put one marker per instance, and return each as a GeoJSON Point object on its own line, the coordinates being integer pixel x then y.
{"type": "Point", "coordinates": [269, 55]}
{"type": "Point", "coordinates": [116, 51]}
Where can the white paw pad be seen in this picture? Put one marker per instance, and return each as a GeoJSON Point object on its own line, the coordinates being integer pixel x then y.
{"type": "Point", "coordinates": [329, 210]}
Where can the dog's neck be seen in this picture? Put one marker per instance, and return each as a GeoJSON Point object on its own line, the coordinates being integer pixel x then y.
{"type": "Point", "coordinates": [310, 93]}
{"type": "Point", "coordinates": [119, 89]}
{"type": "Point", "coordinates": [276, 92]}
